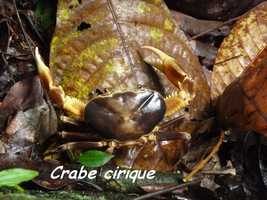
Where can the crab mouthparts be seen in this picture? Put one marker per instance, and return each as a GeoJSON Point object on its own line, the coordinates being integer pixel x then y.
{"type": "Point", "coordinates": [126, 115]}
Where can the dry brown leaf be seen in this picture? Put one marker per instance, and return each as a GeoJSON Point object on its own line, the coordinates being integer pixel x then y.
{"type": "Point", "coordinates": [243, 105]}
{"type": "Point", "coordinates": [161, 156]}
{"type": "Point", "coordinates": [240, 48]}
{"type": "Point", "coordinates": [25, 117]}
{"type": "Point", "coordinates": [96, 46]}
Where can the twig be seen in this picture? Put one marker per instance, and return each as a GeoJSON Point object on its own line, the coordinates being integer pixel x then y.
{"type": "Point", "coordinates": [228, 59]}
{"type": "Point", "coordinates": [231, 171]}
{"type": "Point", "coordinates": [202, 163]}
{"type": "Point", "coordinates": [95, 186]}
{"type": "Point", "coordinates": [22, 28]}
{"type": "Point", "coordinates": [153, 194]}
{"type": "Point", "coordinates": [214, 28]}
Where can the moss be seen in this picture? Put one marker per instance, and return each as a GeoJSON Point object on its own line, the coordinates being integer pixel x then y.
{"type": "Point", "coordinates": [168, 25]}
{"type": "Point", "coordinates": [96, 17]}
{"type": "Point", "coordinates": [72, 82]}
{"type": "Point", "coordinates": [75, 86]}
{"type": "Point", "coordinates": [63, 15]}
{"type": "Point", "coordinates": [156, 34]}
{"type": "Point", "coordinates": [157, 2]}
{"type": "Point", "coordinates": [74, 3]}
{"type": "Point", "coordinates": [53, 45]}
{"type": "Point", "coordinates": [91, 53]}
{"type": "Point", "coordinates": [80, 88]}
{"type": "Point", "coordinates": [143, 8]}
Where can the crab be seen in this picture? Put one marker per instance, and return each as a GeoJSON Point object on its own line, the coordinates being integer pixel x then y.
{"type": "Point", "coordinates": [128, 76]}
{"type": "Point", "coordinates": [126, 117]}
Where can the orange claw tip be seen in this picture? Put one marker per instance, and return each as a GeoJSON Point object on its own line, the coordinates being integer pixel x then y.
{"type": "Point", "coordinates": [168, 65]}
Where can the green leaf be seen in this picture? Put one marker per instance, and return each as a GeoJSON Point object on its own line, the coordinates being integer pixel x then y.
{"type": "Point", "coordinates": [13, 177]}
{"type": "Point", "coordinates": [94, 158]}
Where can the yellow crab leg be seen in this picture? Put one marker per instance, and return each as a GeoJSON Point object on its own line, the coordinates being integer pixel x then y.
{"type": "Point", "coordinates": [56, 93]}
{"type": "Point", "coordinates": [175, 102]}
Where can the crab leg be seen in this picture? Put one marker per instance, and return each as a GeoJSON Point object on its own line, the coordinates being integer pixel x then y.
{"type": "Point", "coordinates": [56, 93]}
{"type": "Point", "coordinates": [110, 144]}
{"type": "Point", "coordinates": [76, 145]}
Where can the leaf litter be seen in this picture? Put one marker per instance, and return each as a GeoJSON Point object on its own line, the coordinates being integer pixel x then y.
{"type": "Point", "coordinates": [27, 118]}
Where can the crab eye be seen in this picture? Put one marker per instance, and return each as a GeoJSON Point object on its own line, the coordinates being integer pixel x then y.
{"type": "Point", "coordinates": [127, 115]}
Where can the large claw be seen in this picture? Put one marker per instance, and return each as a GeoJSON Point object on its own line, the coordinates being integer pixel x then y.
{"type": "Point", "coordinates": [171, 69]}
{"type": "Point", "coordinates": [168, 65]}
{"type": "Point", "coordinates": [56, 93]}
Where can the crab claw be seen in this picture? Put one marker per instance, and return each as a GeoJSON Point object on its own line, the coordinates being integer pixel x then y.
{"type": "Point", "coordinates": [168, 65]}
{"type": "Point", "coordinates": [56, 93]}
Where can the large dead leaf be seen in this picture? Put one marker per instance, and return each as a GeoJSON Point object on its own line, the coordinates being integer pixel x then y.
{"type": "Point", "coordinates": [243, 105]}
{"type": "Point", "coordinates": [240, 48]}
{"type": "Point", "coordinates": [96, 47]}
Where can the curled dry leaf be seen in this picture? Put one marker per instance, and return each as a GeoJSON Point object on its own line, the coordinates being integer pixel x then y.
{"type": "Point", "coordinates": [240, 48]}
{"type": "Point", "coordinates": [243, 105]}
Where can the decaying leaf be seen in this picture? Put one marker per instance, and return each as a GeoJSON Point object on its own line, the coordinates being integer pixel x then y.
{"type": "Point", "coordinates": [243, 105]}
{"type": "Point", "coordinates": [28, 118]}
{"type": "Point", "coordinates": [247, 39]}
{"type": "Point", "coordinates": [23, 95]}
{"type": "Point", "coordinates": [161, 156]}
{"type": "Point", "coordinates": [96, 46]}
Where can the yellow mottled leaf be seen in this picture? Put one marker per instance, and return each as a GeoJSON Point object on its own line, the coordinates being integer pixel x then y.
{"type": "Point", "coordinates": [246, 40]}
{"type": "Point", "coordinates": [243, 105]}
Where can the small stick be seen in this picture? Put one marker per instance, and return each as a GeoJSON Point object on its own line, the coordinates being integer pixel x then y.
{"type": "Point", "coordinates": [231, 171]}
{"type": "Point", "coordinates": [22, 28]}
{"type": "Point", "coordinates": [202, 163]}
{"type": "Point", "coordinates": [228, 59]}
{"type": "Point", "coordinates": [153, 194]}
